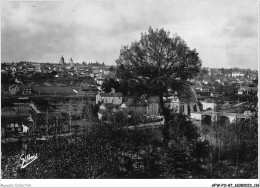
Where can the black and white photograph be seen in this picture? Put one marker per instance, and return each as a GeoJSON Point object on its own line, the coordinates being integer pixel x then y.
{"type": "Point", "coordinates": [129, 93]}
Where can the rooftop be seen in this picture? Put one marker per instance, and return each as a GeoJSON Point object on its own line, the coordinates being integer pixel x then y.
{"type": "Point", "coordinates": [111, 94]}
{"type": "Point", "coordinates": [54, 90]}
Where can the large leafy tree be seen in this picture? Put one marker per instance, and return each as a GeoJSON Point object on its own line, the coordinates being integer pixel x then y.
{"type": "Point", "coordinates": [110, 83]}
{"type": "Point", "coordinates": [158, 62]}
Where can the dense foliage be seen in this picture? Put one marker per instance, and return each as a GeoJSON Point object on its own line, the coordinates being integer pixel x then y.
{"type": "Point", "coordinates": [109, 152]}
{"type": "Point", "coordinates": [158, 63]}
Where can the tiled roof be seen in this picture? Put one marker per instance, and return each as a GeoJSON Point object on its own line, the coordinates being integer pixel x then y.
{"type": "Point", "coordinates": [24, 87]}
{"type": "Point", "coordinates": [12, 86]}
{"type": "Point", "coordinates": [228, 71]}
{"type": "Point", "coordinates": [53, 90]}
{"type": "Point", "coordinates": [111, 94]}
{"type": "Point", "coordinates": [54, 115]}
{"type": "Point", "coordinates": [12, 119]}
{"type": "Point", "coordinates": [192, 98]}
{"type": "Point", "coordinates": [250, 88]}
{"type": "Point", "coordinates": [111, 105]}
{"type": "Point", "coordinates": [209, 100]}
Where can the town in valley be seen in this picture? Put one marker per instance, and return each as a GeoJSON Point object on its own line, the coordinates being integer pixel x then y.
{"type": "Point", "coordinates": [64, 99]}
{"type": "Point", "coordinates": [129, 90]}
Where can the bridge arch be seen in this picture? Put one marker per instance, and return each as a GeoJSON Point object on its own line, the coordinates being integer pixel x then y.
{"type": "Point", "coordinates": [206, 119]}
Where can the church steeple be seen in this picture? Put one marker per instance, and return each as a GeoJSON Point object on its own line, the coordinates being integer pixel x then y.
{"type": "Point", "coordinates": [71, 62]}
{"type": "Point", "coordinates": [62, 62]}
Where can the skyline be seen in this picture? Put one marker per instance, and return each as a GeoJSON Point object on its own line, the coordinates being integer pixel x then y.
{"type": "Point", "coordinates": [224, 34]}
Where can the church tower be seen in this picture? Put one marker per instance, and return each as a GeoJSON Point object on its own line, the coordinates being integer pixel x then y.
{"type": "Point", "coordinates": [62, 62]}
{"type": "Point", "coordinates": [71, 62]}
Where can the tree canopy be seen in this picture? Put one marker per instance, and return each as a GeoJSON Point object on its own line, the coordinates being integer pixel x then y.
{"type": "Point", "coordinates": [158, 62]}
{"type": "Point", "coordinates": [110, 83]}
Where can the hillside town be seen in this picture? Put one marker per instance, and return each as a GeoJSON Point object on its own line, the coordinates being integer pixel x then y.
{"type": "Point", "coordinates": [129, 90]}
{"type": "Point", "coordinates": [60, 98]}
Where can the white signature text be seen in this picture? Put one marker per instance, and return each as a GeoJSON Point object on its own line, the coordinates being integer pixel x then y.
{"type": "Point", "coordinates": [27, 159]}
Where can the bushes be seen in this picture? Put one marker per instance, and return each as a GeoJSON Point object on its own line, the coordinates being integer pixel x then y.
{"type": "Point", "coordinates": [106, 152]}
{"type": "Point", "coordinates": [234, 145]}
{"type": "Point", "coordinates": [110, 153]}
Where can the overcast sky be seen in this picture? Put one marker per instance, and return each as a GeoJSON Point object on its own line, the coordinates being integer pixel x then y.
{"type": "Point", "coordinates": [225, 33]}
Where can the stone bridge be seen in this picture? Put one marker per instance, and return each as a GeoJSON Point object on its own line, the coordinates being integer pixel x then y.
{"type": "Point", "coordinates": [223, 117]}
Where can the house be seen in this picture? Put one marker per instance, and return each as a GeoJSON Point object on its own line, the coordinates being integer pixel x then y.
{"type": "Point", "coordinates": [37, 67]}
{"type": "Point", "coordinates": [102, 107]}
{"type": "Point", "coordinates": [237, 73]}
{"type": "Point", "coordinates": [203, 93]}
{"type": "Point", "coordinates": [245, 90]}
{"type": "Point", "coordinates": [254, 76]}
{"type": "Point", "coordinates": [100, 81]}
{"type": "Point", "coordinates": [23, 110]}
{"type": "Point", "coordinates": [153, 105]}
{"type": "Point", "coordinates": [205, 89]}
{"type": "Point", "coordinates": [241, 91]}
{"type": "Point", "coordinates": [53, 90]}
{"type": "Point", "coordinates": [95, 70]}
{"type": "Point", "coordinates": [141, 106]}
{"type": "Point", "coordinates": [126, 108]}
{"type": "Point", "coordinates": [8, 111]}
{"type": "Point", "coordinates": [208, 104]}
{"type": "Point", "coordinates": [191, 101]}
{"type": "Point", "coordinates": [214, 94]}
{"type": "Point", "coordinates": [25, 90]}
{"type": "Point", "coordinates": [101, 113]}
{"type": "Point", "coordinates": [138, 108]}
{"type": "Point", "coordinates": [14, 125]}
{"type": "Point", "coordinates": [149, 106]}
{"type": "Point", "coordinates": [107, 111]}
{"type": "Point", "coordinates": [183, 105]}
{"type": "Point", "coordinates": [106, 72]}
{"type": "Point", "coordinates": [173, 103]}
{"type": "Point", "coordinates": [228, 72]}
{"type": "Point", "coordinates": [13, 89]}
{"type": "Point", "coordinates": [153, 109]}
{"type": "Point", "coordinates": [112, 98]}
{"type": "Point", "coordinates": [13, 69]}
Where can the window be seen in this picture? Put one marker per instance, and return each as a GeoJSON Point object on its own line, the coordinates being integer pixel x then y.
{"type": "Point", "coordinates": [195, 108]}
